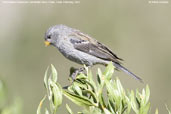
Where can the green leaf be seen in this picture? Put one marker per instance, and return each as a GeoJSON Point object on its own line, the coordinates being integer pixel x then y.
{"type": "Point", "coordinates": [120, 88]}
{"type": "Point", "coordinates": [40, 105]}
{"type": "Point", "coordinates": [106, 111]}
{"type": "Point", "coordinates": [57, 95]}
{"type": "Point", "coordinates": [92, 94]}
{"type": "Point", "coordinates": [77, 89]}
{"type": "Point", "coordinates": [45, 78]}
{"type": "Point", "coordinates": [49, 89]}
{"type": "Point", "coordinates": [109, 71]}
{"type": "Point", "coordinates": [54, 73]}
{"type": "Point", "coordinates": [145, 109]}
{"type": "Point", "coordinates": [92, 83]}
{"type": "Point", "coordinates": [147, 96]}
{"type": "Point", "coordinates": [82, 101]}
{"type": "Point", "coordinates": [81, 76]}
{"type": "Point", "coordinates": [113, 93]}
{"type": "Point", "coordinates": [157, 112]}
{"type": "Point", "coordinates": [90, 86]}
{"type": "Point", "coordinates": [80, 84]}
{"type": "Point", "coordinates": [133, 104]}
{"type": "Point", "coordinates": [46, 111]}
{"type": "Point", "coordinates": [92, 110]}
{"type": "Point", "coordinates": [128, 105]}
{"type": "Point", "coordinates": [111, 106]}
{"type": "Point", "coordinates": [168, 109]}
{"type": "Point", "coordinates": [69, 109]}
{"type": "Point", "coordinates": [142, 100]}
{"type": "Point", "coordinates": [101, 100]}
{"type": "Point", "coordinates": [99, 77]}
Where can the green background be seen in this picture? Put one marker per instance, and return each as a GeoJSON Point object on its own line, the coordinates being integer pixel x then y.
{"type": "Point", "coordinates": [137, 31]}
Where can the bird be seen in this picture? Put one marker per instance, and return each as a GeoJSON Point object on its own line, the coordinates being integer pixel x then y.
{"type": "Point", "coordinates": [83, 49]}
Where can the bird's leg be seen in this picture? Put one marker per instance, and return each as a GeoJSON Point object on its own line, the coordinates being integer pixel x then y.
{"type": "Point", "coordinates": [74, 72]}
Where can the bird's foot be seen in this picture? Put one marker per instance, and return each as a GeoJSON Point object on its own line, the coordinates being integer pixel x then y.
{"type": "Point", "coordinates": [74, 72]}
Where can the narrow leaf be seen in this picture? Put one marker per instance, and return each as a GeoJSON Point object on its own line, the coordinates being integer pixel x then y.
{"type": "Point", "coordinates": [168, 109]}
{"type": "Point", "coordinates": [82, 101]}
{"type": "Point", "coordinates": [57, 95]}
{"type": "Point", "coordinates": [54, 73]}
{"type": "Point", "coordinates": [46, 111]}
{"type": "Point", "coordinates": [40, 105]}
{"type": "Point", "coordinates": [45, 78]}
{"type": "Point", "coordinates": [69, 109]}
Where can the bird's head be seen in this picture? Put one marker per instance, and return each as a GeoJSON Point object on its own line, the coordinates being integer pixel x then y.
{"type": "Point", "coordinates": [55, 33]}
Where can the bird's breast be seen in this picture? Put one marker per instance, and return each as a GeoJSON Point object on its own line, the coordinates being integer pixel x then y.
{"type": "Point", "coordinates": [78, 56]}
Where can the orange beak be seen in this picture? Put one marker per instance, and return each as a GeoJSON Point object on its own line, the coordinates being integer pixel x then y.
{"type": "Point", "coordinates": [47, 43]}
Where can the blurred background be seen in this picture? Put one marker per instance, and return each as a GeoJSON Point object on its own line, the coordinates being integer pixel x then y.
{"type": "Point", "coordinates": [137, 31]}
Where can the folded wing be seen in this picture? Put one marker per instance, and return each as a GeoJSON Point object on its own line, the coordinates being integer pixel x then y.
{"type": "Point", "coordinates": [88, 45]}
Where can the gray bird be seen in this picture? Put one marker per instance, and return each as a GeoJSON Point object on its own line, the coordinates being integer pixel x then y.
{"type": "Point", "coordinates": [81, 48]}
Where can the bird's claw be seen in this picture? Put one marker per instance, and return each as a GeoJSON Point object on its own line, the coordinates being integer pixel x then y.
{"type": "Point", "coordinates": [74, 72]}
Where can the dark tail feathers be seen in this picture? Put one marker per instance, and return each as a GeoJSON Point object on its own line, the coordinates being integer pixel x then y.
{"type": "Point", "coordinates": [120, 67]}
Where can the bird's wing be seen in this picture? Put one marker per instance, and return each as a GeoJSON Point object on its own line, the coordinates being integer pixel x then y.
{"type": "Point", "coordinates": [88, 45]}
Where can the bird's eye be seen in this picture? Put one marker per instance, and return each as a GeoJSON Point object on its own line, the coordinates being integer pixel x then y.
{"type": "Point", "coordinates": [48, 36]}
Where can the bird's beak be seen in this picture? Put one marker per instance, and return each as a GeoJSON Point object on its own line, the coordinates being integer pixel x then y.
{"type": "Point", "coordinates": [47, 43]}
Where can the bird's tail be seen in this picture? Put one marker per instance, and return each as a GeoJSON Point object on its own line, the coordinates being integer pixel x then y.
{"type": "Point", "coordinates": [120, 67]}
